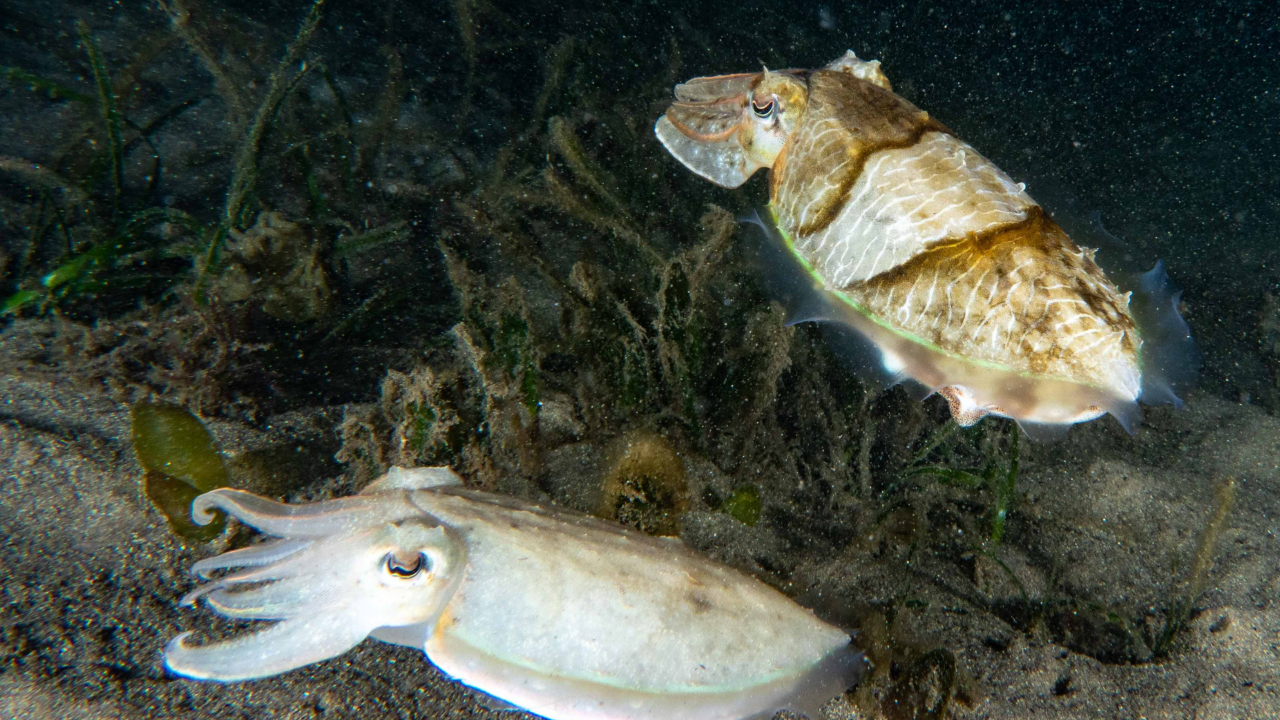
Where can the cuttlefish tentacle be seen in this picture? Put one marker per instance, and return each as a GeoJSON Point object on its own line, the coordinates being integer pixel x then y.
{"type": "Point", "coordinates": [285, 646]}
{"type": "Point", "coordinates": [293, 521]}
{"type": "Point", "coordinates": [275, 601]}
{"type": "Point", "coordinates": [715, 87]}
{"type": "Point", "coordinates": [314, 624]}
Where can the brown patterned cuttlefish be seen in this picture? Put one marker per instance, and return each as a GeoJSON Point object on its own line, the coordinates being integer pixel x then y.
{"type": "Point", "coordinates": [957, 277]}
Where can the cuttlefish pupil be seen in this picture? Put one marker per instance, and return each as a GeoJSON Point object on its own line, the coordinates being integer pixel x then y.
{"type": "Point", "coordinates": [406, 566]}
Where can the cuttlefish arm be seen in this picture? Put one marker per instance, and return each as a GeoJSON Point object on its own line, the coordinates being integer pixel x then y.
{"type": "Point", "coordinates": [711, 127]}
{"type": "Point", "coordinates": [338, 572]}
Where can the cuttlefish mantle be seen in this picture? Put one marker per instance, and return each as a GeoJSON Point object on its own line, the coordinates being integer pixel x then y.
{"type": "Point", "coordinates": [557, 613]}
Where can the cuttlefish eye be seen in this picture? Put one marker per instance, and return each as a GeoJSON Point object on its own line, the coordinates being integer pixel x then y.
{"type": "Point", "coordinates": [762, 110]}
{"type": "Point", "coordinates": [406, 566]}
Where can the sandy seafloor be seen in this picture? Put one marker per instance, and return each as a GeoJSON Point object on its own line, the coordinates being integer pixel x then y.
{"type": "Point", "coordinates": [92, 575]}
{"type": "Point", "coordinates": [1163, 119]}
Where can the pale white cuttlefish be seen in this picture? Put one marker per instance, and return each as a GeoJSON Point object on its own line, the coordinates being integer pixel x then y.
{"type": "Point", "coordinates": [908, 235]}
{"type": "Point", "coordinates": [556, 613]}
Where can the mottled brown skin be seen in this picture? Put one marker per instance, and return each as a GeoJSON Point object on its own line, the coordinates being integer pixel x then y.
{"type": "Point", "coordinates": [986, 280]}
{"type": "Point", "coordinates": [1038, 323]}
{"type": "Point", "coordinates": [951, 269]}
{"type": "Point", "coordinates": [847, 120]}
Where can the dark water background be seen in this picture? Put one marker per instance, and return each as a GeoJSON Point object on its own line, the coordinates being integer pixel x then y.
{"type": "Point", "coordinates": [492, 264]}
{"type": "Point", "coordinates": [1160, 117]}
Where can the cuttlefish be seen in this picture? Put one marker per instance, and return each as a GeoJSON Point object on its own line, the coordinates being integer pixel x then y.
{"type": "Point", "coordinates": [554, 612]}
{"type": "Point", "coordinates": [957, 277]}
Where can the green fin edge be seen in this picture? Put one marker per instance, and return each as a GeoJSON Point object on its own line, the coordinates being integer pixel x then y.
{"type": "Point", "coordinates": [863, 311]}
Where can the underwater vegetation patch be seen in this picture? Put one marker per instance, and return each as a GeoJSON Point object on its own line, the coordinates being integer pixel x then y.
{"type": "Point", "coordinates": [910, 679]}
{"type": "Point", "coordinates": [996, 477]}
{"type": "Point", "coordinates": [121, 233]}
{"type": "Point", "coordinates": [645, 485]}
{"type": "Point", "coordinates": [1194, 584]}
{"type": "Point", "coordinates": [1128, 635]}
{"type": "Point", "coordinates": [100, 233]}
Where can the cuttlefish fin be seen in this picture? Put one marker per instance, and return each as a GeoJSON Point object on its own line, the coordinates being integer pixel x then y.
{"type": "Point", "coordinates": [804, 300]}
{"type": "Point", "coordinates": [796, 290]}
{"type": "Point", "coordinates": [1044, 432]}
{"type": "Point", "coordinates": [1170, 358]}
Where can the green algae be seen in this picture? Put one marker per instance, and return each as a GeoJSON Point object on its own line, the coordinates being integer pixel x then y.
{"type": "Point", "coordinates": [743, 505]}
{"type": "Point", "coordinates": [173, 499]}
{"type": "Point", "coordinates": [50, 88]}
{"type": "Point", "coordinates": [107, 107]}
{"type": "Point", "coordinates": [997, 476]}
{"type": "Point", "coordinates": [168, 439]}
{"type": "Point", "coordinates": [1194, 584]}
{"type": "Point", "coordinates": [181, 462]}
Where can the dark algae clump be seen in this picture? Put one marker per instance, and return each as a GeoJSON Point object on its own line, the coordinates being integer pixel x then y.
{"type": "Point", "coordinates": [645, 486]}
{"type": "Point", "coordinates": [344, 236]}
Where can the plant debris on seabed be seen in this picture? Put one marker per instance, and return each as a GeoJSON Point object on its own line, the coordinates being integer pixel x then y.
{"type": "Point", "coordinates": [560, 304]}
